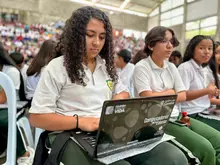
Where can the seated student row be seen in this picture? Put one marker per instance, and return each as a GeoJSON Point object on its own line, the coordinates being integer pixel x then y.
{"type": "Point", "coordinates": [160, 42]}
{"type": "Point", "coordinates": [13, 66]}
{"type": "Point", "coordinates": [78, 83]}
{"type": "Point", "coordinates": [155, 76]}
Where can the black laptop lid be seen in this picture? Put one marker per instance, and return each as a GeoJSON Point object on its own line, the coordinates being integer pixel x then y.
{"type": "Point", "coordinates": [132, 121]}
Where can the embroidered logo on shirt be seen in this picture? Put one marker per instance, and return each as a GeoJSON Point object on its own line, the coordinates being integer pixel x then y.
{"type": "Point", "coordinates": [110, 84]}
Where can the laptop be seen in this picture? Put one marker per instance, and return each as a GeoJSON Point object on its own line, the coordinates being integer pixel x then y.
{"type": "Point", "coordinates": [127, 124]}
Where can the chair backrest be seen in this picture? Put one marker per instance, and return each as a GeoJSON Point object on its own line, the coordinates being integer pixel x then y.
{"type": "Point", "coordinates": [9, 89]}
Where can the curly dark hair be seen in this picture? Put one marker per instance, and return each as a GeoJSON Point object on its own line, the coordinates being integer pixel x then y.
{"type": "Point", "coordinates": [72, 43]}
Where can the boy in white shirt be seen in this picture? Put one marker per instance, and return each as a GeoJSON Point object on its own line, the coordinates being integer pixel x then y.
{"type": "Point", "coordinates": [126, 69]}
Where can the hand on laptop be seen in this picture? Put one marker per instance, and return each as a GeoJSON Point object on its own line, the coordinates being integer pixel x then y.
{"type": "Point", "coordinates": [88, 124]}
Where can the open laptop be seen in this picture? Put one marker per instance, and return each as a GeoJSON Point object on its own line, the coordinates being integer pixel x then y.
{"type": "Point", "coordinates": [127, 124]}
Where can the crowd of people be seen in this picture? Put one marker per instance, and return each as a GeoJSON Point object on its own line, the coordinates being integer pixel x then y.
{"type": "Point", "coordinates": [68, 80]}
{"type": "Point", "coordinates": [27, 39]}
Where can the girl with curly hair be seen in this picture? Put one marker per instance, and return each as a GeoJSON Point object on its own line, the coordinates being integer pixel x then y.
{"type": "Point", "coordinates": [74, 86]}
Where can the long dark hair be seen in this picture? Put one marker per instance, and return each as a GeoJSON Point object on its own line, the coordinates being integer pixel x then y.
{"type": "Point", "coordinates": [189, 52]}
{"type": "Point", "coordinates": [190, 49]}
{"type": "Point", "coordinates": [217, 44]}
{"type": "Point", "coordinates": [5, 59]}
{"type": "Point", "coordinates": [212, 65]}
{"type": "Point", "coordinates": [43, 57]}
{"type": "Point", "coordinates": [157, 34]}
{"type": "Point", "coordinates": [72, 43]}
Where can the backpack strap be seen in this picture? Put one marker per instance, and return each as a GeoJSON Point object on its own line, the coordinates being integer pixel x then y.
{"type": "Point", "coordinates": [41, 153]}
{"type": "Point", "coordinates": [58, 147]}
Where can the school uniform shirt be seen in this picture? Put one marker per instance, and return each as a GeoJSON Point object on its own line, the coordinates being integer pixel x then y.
{"type": "Point", "coordinates": [126, 77]}
{"type": "Point", "coordinates": [24, 75]}
{"type": "Point", "coordinates": [194, 78]}
{"type": "Point", "coordinates": [56, 93]}
{"type": "Point", "coordinates": [14, 74]}
{"type": "Point", "coordinates": [149, 77]}
{"type": "Point", "coordinates": [209, 76]}
{"type": "Point", "coordinates": [32, 82]}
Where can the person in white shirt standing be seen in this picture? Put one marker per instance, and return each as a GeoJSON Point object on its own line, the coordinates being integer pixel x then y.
{"type": "Point", "coordinates": [126, 69]}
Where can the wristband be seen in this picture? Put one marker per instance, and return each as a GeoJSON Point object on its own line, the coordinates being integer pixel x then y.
{"type": "Point", "coordinates": [77, 120]}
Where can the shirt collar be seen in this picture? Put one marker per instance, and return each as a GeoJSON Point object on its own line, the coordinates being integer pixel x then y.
{"type": "Point", "coordinates": [195, 65]}
{"type": "Point", "coordinates": [154, 66]}
{"type": "Point", "coordinates": [99, 62]}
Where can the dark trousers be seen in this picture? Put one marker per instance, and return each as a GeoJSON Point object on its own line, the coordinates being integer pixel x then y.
{"type": "Point", "coordinates": [163, 154]}
{"type": "Point", "coordinates": [4, 134]}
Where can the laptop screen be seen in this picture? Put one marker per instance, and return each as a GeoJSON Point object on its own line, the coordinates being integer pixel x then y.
{"type": "Point", "coordinates": [130, 122]}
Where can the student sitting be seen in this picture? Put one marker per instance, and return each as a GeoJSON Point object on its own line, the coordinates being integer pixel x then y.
{"type": "Point", "coordinates": [122, 62]}
{"type": "Point", "coordinates": [7, 66]}
{"type": "Point", "coordinates": [77, 84]}
{"type": "Point", "coordinates": [198, 93]}
{"type": "Point", "coordinates": [43, 57]}
{"type": "Point", "coordinates": [176, 58]}
{"type": "Point", "coordinates": [18, 58]}
{"type": "Point", "coordinates": [155, 76]}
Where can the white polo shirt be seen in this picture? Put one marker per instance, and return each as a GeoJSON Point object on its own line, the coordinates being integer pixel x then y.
{"type": "Point", "coordinates": [194, 78]}
{"type": "Point", "coordinates": [24, 75]}
{"type": "Point", "coordinates": [126, 77]}
{"type": "Point", "coordinates": [209, 75]}
{"type": "Point", "coordinates": [14, 74]}
{"type": "Point", "coordinates": [32, 82]}
{"type": "Point", "coordinates": [56, 93]}
{"type": "Point", "coordinates": [149, 77]}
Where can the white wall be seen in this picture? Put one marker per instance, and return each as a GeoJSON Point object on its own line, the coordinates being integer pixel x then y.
{"type": "Point", "coordinates": [201, 9]}
{"type": "Point", "coordinates": [45, 11]}
{"type": "Point", "coordinates": [153, 21]}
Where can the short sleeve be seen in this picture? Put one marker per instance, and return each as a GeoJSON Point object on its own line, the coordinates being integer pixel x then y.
{"type": "Point", "coordinates": [120, 87]}
{"type": "Point", "coordinates": [47, 92]}
{"type": "Point", "coordinates": [178, 82]}
{"type": "Point", "coordinates": [14, 74]}
{"type": "Point", "coordinates": [185, 75]}
{"type": "Point", "coordinates": [141, 79]}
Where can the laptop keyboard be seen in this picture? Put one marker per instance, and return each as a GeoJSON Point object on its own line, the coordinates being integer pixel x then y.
{"type": "Point", "coordinates": [112, 148]}
{"type": "Point", "coordinates": [91, 140]}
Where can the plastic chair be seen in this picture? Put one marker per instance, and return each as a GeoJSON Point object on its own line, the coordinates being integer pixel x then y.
{"type": "Point", "coordinates": [38, 131]}
{"type": "Point", "coordinates": [9, 89]}
{"type": "Point", "coordinates": [23, 123]}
